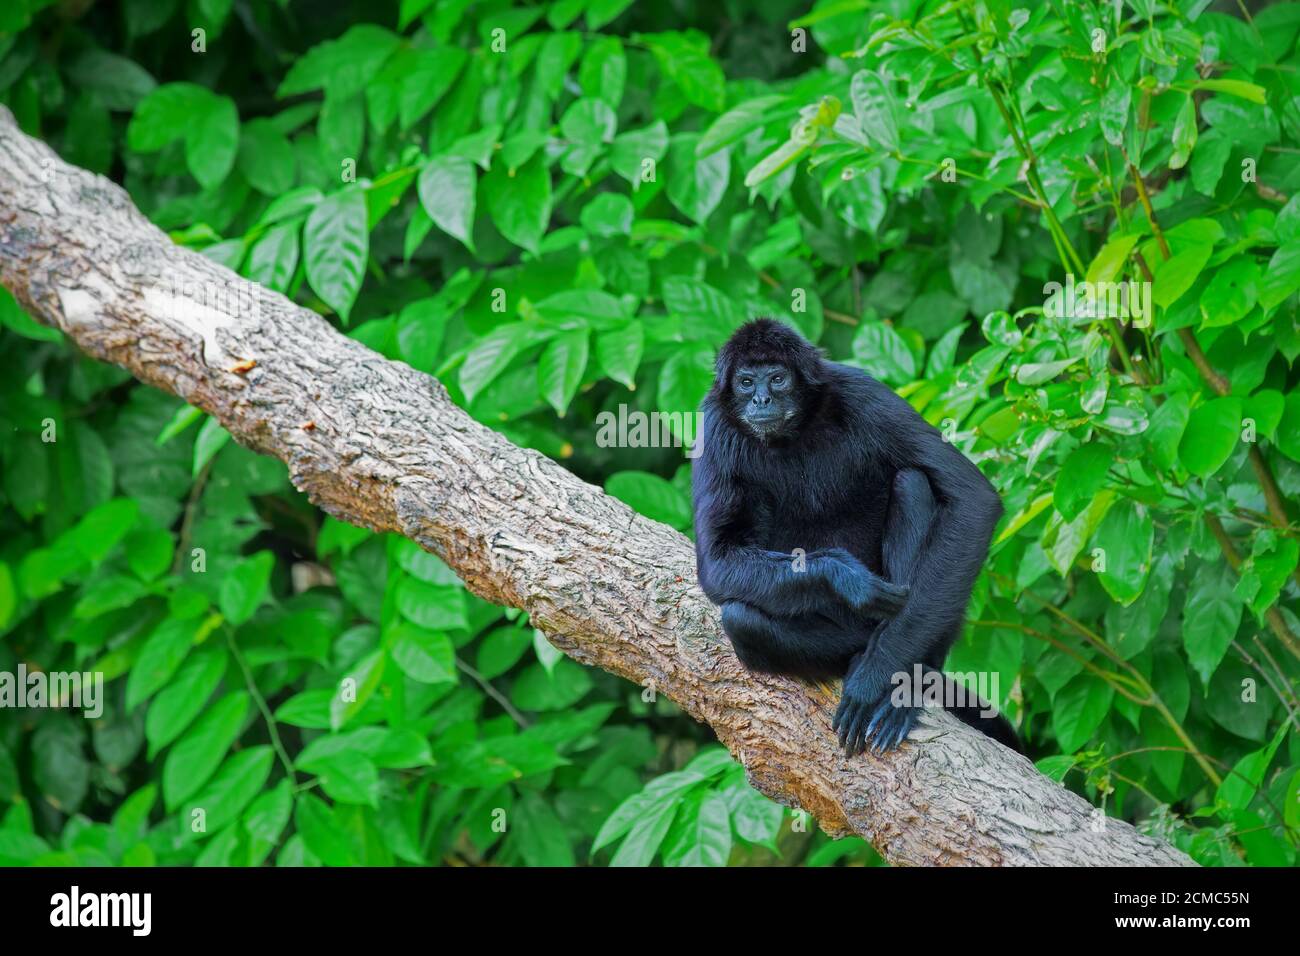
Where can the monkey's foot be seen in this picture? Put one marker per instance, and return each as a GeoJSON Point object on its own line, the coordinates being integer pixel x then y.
{"type": "Point", "coordinates": [881, 725]}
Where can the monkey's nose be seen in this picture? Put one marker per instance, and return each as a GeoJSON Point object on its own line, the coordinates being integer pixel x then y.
{"type": "Point", "coordinates": [762, 400]}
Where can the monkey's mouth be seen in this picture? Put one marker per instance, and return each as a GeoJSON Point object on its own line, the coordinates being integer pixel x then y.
{"type": "Point", "coordinates": [767, 424]}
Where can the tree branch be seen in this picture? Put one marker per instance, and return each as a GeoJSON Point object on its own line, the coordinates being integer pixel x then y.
{"type": "Point", "coordinates": [379, 444]}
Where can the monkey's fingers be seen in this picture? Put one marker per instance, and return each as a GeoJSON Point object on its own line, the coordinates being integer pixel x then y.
{"type": "Point", "coordinates": [857, 736]}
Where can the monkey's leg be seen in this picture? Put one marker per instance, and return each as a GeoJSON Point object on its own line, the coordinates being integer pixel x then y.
{"type": "Point", "coordinates": [907, 525]}
{"type": "Point", "coordinates": [810, 646]}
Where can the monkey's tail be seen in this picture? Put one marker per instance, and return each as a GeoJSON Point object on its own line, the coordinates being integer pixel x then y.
{"type": "Point", "coordinates": [977, 713]}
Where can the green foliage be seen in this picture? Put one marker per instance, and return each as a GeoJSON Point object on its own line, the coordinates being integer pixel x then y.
{"type": "Point", "coordinates": [561, 210]}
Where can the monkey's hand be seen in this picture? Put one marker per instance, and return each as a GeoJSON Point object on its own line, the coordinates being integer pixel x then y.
{"type": "Point", "coordinates": [869, 715]}
{"type": "Point", "coordinates": [854, 584]}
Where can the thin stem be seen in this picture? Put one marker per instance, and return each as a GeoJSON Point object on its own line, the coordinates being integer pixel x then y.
{"type": "Point", "coordinates": [492, 692]}
{"type": "Point", "coordinates": [271, 726]}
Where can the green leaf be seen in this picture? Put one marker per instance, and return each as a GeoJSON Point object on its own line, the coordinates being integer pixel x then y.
{"type": "Point", "coordinates": [230, 790]}
{"type": "Point", "coordinates": [582, 308]}
{"type": "Point", "coordinates": [756, 818]}
{"type": "Point", "coordinates": [1078, 710]}
{"type": "Point", "coordinates": [491, 354]}
{"type": "Point", "coordinates": [689, 65]}
{"type": "Point", "coordinates": [1210, 617]}
{"type": "Point", "coordinates": [665, 789]}
{"type": "Point", "coordinates": [349, 778]}
{"type": "Point", "coordinates": [425, 656]}
{"type": "Point", "coordinates": [163, 652]}
{"type": "Point", "coordinates": [316, 825]}
{"type": "Point", "coordinates": [1115, 111]}
{"type": "Point", "coordinates": [198, 753]}
{"type": "Point", "coordinates": [695, 186]}
{"type": "Point", "coordinates": [652, 496]}
{"type": "Point", "coordinates": [519, 201]}
{"type": "Point", "coordinates": [589, 122]}
{"type": "Point", "coordinates": [1062, 542]}
{"type": "Point", "coordinates": [1176, 275]}
{"type": "Point", "coordinates": [212, 140]}
{"type": "Point", "coordinates": [701, 834]}
{"type": "Point", "coordinates": [560, 368]}
{"type": "Point", "coordinates": [1212, 433]}
{"type": "Point", "coordinates": [619, 353]}
{"type": "Point", "coordinates": [265, 819]}
{"type": "Point", "coordinates": [336, 243]}
{"type": "Point", "coordinates": [1125, 536]}
{"type": "Point", "coordinates": [1231, 293]}
{"type": "Point", "coordinates": [710, 315]}
{"type": "Point", "coordinates": [428, 75]}
{"type": "Point", "coordinates": [735, 124]}
{"type": "Point", "coordinates": [1165, 433]}
{"type": "Point", "coordinates": [876, 109]}
{"type": "Point", "coordinates": [148, 553]}
{"type": "Point", "coordinates": [685, 379]}
{"type": "Point", "coordinates": [944, 352]}
{"type": "Point", "coordinates": [1281, 278]}
{"type": "Point", "coordinates": [601, 12]}
{"type": "Point", "coordinates": [246, 586]}
{"type": "Point", "coordinates": [1247, 91]}
{"type": "Point", "coordinates": [880, 350]}
{"type": "Point", "coordinates": [542, 838]}
{"type": "Point", "coordinates": [1036, 373]}
{"type": "Point", "coordinates": [645, 836]}
{"type": "Point", "coordinates": [432, 607]}
{"type": "Point", "coordinates": [501, 650]}
{"type": "Point", "coordinates": [1081, 476]}
{"type": "Point", "coordinates": [604, 69]}
{"type": "Point", "coordinates": [447, 193]}
{"type": "Point", "coordinates": [634, 151]}
{"type": "Point", "coordinates": [8, 596]}
{"type": "Point", "coordinates": [1271, 571]}
{"type": "Point", "coordinates": [14, 318]}
{"type": "Point", "coordinates": [103, 527]}
{"type": "Point", "coordinates": [1288, 430]}
{"type": "Point", "coordinates": [1110, 259]}
{"type": "Point", "coordinates": [119, 83]}
{"type": "Point", "coordinates": [273, 259]}
{"type": "Point", "coordinates": [1239, 786]}
{"type": "Point", "coordinates": [356, 688]}
{"type": "Point", "coordinates": [608, 215]}
{"type": "Point", "coordinates": [162, 116]}
{"type": "Point", "coordinates": [184, 697]}
{"type": "Point", "coordinates": [266, 158]}
{"type": "Point", "coordinates": [1184, 133]}
{"type": "Point", "coordinates": [1264, 408]}
{"type": "Point", "coordinates": [211, 439]}
{"type": "Point", "coordinates": [85, 469]}
{"type": "Point", "coordinates": [343, 66]}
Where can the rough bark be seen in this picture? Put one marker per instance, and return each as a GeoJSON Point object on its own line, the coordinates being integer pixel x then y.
{"type": "Point", "coordinates": [379, 444]}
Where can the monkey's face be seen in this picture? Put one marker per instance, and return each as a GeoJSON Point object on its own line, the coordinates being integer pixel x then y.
{"type": "Point", "coordinates": [765, 399]}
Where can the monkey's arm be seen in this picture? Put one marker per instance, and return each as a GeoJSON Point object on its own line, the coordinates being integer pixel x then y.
{"type": "Point", "coordinates": [830, 581]}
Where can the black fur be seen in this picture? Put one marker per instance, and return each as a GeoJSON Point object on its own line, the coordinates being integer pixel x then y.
{"type": "Point", "coordinates": [801, 456]}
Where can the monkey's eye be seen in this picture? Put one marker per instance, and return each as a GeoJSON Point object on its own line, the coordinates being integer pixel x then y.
{"type": "Point", "coordinates": [778, 379]}
{"type": "Point", "coordinates": [746, 383]}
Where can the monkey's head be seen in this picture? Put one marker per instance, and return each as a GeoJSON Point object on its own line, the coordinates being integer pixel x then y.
{"type": "Point", "coordinates": [767, 377]}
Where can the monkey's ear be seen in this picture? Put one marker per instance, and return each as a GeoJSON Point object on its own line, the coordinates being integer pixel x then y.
{"type": "Point", "coordinates": [809, 365]}
{"type": "Point", "coordinates": [723, 367]}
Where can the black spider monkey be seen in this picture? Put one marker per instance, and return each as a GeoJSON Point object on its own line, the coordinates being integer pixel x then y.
{"type": "Point", "coordinates": [837, 530]}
